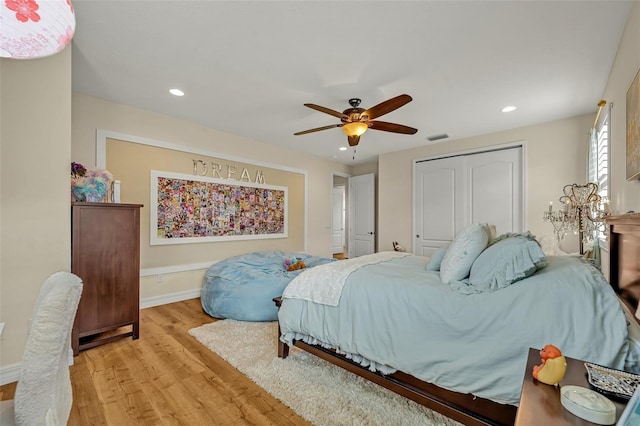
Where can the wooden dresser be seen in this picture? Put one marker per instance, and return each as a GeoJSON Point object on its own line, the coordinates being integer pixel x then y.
{"type": "Point", "coordinates": [105, 254]}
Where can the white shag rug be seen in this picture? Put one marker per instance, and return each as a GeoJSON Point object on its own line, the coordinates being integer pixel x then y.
{"type": "Point", "coordinates": [315, 389]}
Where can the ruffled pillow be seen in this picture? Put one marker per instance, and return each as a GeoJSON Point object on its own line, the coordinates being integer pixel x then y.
{"type": "Point", "coordinates": [462, 252]}
{"type": "Point", "coordinates": [511, 258]}
{"type": "Point", "coordinates": [436, 258]}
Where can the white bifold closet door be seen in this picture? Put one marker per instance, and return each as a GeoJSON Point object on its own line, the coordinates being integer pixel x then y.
{"type": "Point", "coordinates": [453, 192]}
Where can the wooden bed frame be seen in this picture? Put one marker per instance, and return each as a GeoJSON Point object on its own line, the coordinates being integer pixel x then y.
{"type": "Point", "coordinates": [624, 255]}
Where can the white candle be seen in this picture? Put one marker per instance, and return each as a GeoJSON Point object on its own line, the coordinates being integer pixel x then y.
{"type": "Point", "coordinates": [550, 206]}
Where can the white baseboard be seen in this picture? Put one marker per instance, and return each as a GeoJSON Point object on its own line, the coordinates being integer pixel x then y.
{"type": "Point", "coordinates": [11, 373]}
{"type": "Point", "coordinates": [175, 268]}
{"type": "Point", "coordinates": [179, 296]}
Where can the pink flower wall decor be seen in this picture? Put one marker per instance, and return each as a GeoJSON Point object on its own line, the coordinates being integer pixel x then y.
{"type": "Point", "coordinates": [35, 28]}
{"type": "Point", "coordinates": [25, 9]}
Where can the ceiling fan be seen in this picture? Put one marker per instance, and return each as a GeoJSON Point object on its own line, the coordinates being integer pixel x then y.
{"type": "Point", "coordinates": [356, 121]}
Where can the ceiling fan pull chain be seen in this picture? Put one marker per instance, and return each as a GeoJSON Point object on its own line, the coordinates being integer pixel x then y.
{"type": "Point", "coordinates": [354, 154]}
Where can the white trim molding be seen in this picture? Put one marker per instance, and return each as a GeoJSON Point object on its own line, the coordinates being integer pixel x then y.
{"type": "Point", "coordinates": [164, 299]}
{"type": "Point", "coordinates": [147, 272]}
{"type": "Point", "coordinates": [9, 374]}
{"type": "Point", "coordinates": [101, 161]}
{"type": "Point", "coordinates": [103, 135]}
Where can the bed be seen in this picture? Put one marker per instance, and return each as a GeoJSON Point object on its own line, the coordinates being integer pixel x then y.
{"type": "Point", "coordinates": [449, 346]}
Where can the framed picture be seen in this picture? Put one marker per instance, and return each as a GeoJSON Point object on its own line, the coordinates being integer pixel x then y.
{"type": "Point", "coordinates": [633, 129]}
{"type": "Point", "coordinates": [194, 209]}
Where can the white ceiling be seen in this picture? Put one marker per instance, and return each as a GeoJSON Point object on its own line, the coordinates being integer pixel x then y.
{"type": "Point", "coordinates": [247, 67]}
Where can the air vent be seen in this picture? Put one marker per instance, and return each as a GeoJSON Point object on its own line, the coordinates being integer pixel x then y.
{"type": "Point", "coordinates": [437, 137]}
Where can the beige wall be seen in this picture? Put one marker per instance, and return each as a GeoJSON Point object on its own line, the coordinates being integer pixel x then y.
{"type": "Point", "coordinates": [91, 114]}
{"type": "Point", "coordinates": [625, 195]}
{"type": "Point", "coordinates": [554, 156]}
{"type": "Point", "coordinates": [132, 163]}
{"type": "Point", "coordinates": [365, 169]}
{"type": "Point", "coordinates": [34, 197]}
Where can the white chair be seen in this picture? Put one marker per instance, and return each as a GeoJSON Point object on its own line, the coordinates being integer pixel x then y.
{"type": "Point", "coordinates": [43, 393]}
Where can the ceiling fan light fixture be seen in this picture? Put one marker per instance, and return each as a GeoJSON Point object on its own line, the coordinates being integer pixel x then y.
{"type": "Point", "coordinates": [355, 129]}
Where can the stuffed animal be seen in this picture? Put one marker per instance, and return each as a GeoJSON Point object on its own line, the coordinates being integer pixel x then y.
{"type": "Point", "coordinates": [398, 247]}
{"type": "Point", "coordinates": [553, 366]}
{"type": "Point", "coordinates": [92, 185]}
{"type": "Point", "coordinates": [293, 264]}
{"type": "Point", "coordinates": [298, 265]}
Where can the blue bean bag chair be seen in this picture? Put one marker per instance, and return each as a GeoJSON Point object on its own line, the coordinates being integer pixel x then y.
{"type": "Point", "coordinates": [243, 287]}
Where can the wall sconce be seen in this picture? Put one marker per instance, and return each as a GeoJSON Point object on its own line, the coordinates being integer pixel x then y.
{"type": "Point", "coordinates": [35, 28]}
{"type": "Point", "coordinates": [583, 212]}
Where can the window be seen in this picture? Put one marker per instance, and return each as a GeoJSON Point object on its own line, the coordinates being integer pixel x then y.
{"type": "Point", "coordinates": [598, 160]}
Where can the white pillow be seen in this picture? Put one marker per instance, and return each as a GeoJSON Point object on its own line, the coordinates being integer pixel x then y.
{"type": "Point", "coordinates": [550, 246]}
{"type": "Point", "coordinates": [463, 251]}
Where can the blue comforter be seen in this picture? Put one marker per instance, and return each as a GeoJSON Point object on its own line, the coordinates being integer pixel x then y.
{"type": "Point", "coordinates": [399, 316]}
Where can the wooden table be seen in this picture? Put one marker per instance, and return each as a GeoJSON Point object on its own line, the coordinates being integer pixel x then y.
{"type": "Point", "coordinates": [540, 404]}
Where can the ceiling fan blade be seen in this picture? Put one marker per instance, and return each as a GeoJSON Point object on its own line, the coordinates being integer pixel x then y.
{"type": "Point", "coordinates": [326, 110]}
{"type": "Point", "coordinates": [353, 140]}
{"type": "Point", "coordinates": [392, 127]}
{"type": "Point", "coordinates": [317, 129]}
{"type": "Point", "coordinates": [387, 106]}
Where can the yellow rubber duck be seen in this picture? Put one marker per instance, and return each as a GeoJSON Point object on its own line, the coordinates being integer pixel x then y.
{"type": "Point", "coordinates": [553, 366]}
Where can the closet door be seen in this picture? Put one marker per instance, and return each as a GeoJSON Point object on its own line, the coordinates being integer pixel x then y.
{"type": "Point", "coordinates": [451, 193]}
{"type": "Point", "coordinates": [494, 189]}
{"type": "Point", "coordinates": [439, 203]}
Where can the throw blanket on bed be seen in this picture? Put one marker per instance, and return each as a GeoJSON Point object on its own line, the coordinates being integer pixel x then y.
{"type": "Point", "coordinates": [323, 284]}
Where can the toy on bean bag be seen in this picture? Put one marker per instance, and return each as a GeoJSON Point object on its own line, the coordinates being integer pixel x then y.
{"type": "Point", "coordinates": [293, 264]}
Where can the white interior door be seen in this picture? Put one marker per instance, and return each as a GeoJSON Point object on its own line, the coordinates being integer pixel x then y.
{"type": "Point", "coordinates": [338, 229]}
{"type": "Point", "coordinates": [451, 193]}
{"type": "Point", "coordinates": [494, 189]}
{"type": "Point", "coordinates": [438, 211]}
{"type": "Point", "coordinates": [361, 215]}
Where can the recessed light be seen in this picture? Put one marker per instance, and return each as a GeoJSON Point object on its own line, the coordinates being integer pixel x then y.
{"type": "Point", "coordinates": [343, 148]}
{"type": "Point", "coordinates": [176, 92]}
{"type": "Point", "coordinates": [508, 108]}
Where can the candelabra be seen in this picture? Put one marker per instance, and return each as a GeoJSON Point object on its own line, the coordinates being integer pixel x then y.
{"type": "Point", "coordinates": [583, 212]}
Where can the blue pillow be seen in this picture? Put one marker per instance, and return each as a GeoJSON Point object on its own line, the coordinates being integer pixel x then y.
{"type": "Point", "coordinates": [462, 252]}
{"type": "Point", "coordinates": [436, 258]}
{"type": "Point", "coordinates": [511, 258]}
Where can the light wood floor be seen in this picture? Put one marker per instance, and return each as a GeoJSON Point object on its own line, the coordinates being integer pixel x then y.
{"type": "Point", "coordinates": [166, 378]}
